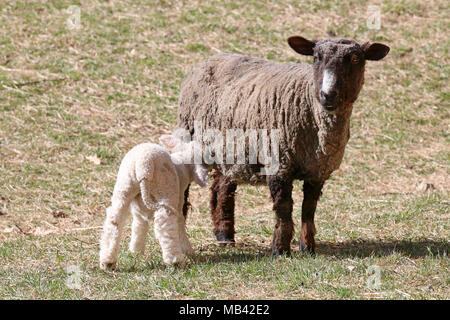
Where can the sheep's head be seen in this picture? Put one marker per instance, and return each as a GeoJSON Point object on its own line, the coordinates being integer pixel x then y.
{"type": "Point", "coordinates": [338, 67]}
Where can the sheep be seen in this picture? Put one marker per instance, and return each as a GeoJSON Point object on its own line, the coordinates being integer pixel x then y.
{"type": "Point", "coordinates": [152, 182]}
{"type": "Point", "coordinates": [309, 105]}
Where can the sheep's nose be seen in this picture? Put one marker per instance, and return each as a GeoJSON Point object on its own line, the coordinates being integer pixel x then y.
{"type": "Point", "coordinates": [327, 98]}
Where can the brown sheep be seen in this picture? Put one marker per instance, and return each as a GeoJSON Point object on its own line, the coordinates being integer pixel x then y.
{"type": "Point", "coordinates": [310, 105]}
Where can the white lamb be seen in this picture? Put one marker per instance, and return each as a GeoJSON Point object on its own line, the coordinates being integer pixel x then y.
{"type": "Point", "coordinates": [152, 182]}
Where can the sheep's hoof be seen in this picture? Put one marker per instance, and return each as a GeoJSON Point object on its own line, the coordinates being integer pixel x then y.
{"type": "Point", "coordinates": [227, 243]}
{"type": "Point", "coordinates": [277, 251]}
{"type": "Point", "coordinates": [303, 247]}
{"type": "Point", "coordinates": [224, 240]}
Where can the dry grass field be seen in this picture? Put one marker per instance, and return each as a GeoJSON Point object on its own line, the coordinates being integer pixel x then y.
{"type": "Point", "coordinates": [73, 101]}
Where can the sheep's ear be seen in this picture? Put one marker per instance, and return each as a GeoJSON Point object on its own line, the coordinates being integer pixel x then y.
{"type": "Point", "coordinates": [375, 51]}
{"type": "Point", "coordinates": [168, 141]}
{"type": "Point", "coordinates": [302, 45]}
{"type": "Point", "coordinates": [201, 175]}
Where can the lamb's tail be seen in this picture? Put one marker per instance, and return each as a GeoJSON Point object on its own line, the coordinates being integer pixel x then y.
{"type": "Point", "coordinates": [145, 170]}
{"type": "Point", "coordinates": [150, 202]}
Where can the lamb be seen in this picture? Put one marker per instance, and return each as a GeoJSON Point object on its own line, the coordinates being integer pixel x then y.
{"type": "Point", "coordinates": [310, 106]}
{"type": "Point", "coordinates": [152, 182]}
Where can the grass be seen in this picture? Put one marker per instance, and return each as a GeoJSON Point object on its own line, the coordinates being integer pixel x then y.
{"type": "Point", "coordinates": [72, 102]}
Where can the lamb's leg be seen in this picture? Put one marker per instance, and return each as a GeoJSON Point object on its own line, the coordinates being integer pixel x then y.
{"type": "Point", "coordinates": [281, 192]}
{"type": "Point", "coordinates": [167, 233]}
{"type": "Point", "coordinates": [112, 231]}
{"type": "Point", "coordinates": [222, 208]}
{"type": "Point", "coordinates": [311, 194]}
{"type": "Point", "coordinates": [139, 230]}
{"type": "Point", "coordinates": [184, 240]}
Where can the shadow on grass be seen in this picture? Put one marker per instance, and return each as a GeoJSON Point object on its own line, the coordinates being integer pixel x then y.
{"type": "Point", "coordinates": [361, 248]}
{"type": "Point", "coordinates": [231, 257]}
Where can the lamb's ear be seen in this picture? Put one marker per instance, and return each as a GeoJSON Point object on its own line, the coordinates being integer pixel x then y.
{"type": "Point", "coordinates": [201, 175]}
{"type": "Point", "coordinates": [302, 45]}
{"type": "Point", "coordinates": [168, 141]}
{"type": "Point", "coordinates": [375, 51]}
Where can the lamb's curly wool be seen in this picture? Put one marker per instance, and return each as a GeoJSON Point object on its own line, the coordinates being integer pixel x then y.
{"type": "Point", "coordinates": [152, 182]}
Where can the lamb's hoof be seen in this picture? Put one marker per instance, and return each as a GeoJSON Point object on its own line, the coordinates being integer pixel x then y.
{"type": "Point", "coordinates": [224, 240]}
{"type": "Point", "coordinates": [175, 261]}
{"type": "Point", "coordinates": [108, 266]}
{"type": "Point", "coordinates": [138, 251]}
{"type": "Point", "coordinates": [189, 252]}
{"type": "Point", "coordinates": [303, 247]}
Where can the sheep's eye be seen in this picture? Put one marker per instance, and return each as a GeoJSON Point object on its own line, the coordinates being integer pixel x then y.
{"type": "Point", "coordinates": [355, 59]}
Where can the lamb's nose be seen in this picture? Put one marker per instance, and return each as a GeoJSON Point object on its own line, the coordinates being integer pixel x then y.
{"type": "Point", "coordinates": [327, 98]}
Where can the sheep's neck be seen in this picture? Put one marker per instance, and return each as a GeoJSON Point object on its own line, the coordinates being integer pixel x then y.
{"type": "Point", "coordinates": [333, 132]}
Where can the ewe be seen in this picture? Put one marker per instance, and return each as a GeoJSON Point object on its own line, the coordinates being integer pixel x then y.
{"type": "Point", "coordinates": [310, 105]}
{"type": "Point", "coordinates": [153, 183]}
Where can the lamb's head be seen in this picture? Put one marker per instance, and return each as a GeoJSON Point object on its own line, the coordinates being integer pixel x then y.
{"type": "Point", "coordinates": [183, 154]}
{"type": "Point", "coordinates": [338, 67]}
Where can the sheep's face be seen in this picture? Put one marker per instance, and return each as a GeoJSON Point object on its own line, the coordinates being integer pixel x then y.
{"type": "Point", "coordinates": [338, 68]}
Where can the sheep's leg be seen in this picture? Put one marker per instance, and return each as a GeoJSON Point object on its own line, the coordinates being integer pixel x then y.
{"type": "Point", "coordinates": [139, 230]}
{"type": "Point", "coordinates": [311, 194]}
{"type": "Point", "coordinates": [184, 240]}
{"type": "Point", "coordinates": [281, 192]}
{"type": "Point", "coordinates": [186, 203]}
{"type": "Point", "coordinates": [116, 216]}
{"type": "Point", "coordinates": [167, 233]}
{"type": "Point", "coordinates": [222, 208]}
